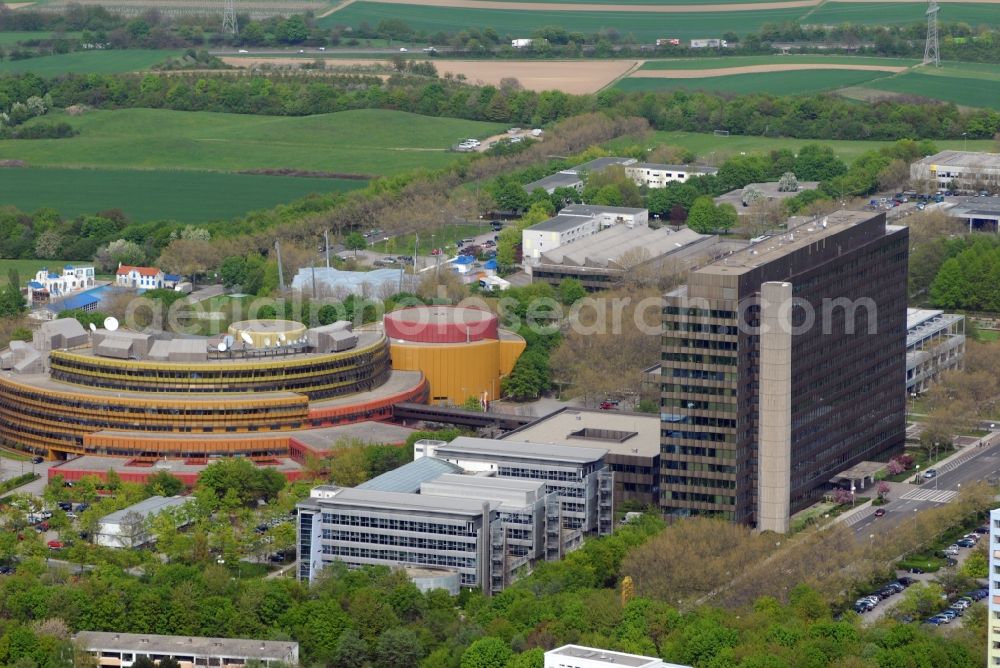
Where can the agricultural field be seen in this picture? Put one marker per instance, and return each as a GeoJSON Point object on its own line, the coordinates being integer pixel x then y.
{"type": "Point", "coordinates": [88, 62]}
{"type": "Point", "coordinates": [779, 83]}
{"type": "Point", "coordinates": [364, 142]}
{"type": "Point", "coordinates": [962, 90]}
{"type": "Point", "coordinates": [13, 37]}
{"type": "Point", "coordinates": [899, 13]}
{"type": "Point", "coordinates": [777, 60]}
{"type": "Point", "coordinates": [144, 195]}
{"type": "Point", "coordinates": [645, 27]}
{"type": "Point", "coordinates": [715, 149]}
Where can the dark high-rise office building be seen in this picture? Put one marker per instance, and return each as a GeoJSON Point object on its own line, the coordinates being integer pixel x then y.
{"type": "Point", "coordinates": [781, 367]}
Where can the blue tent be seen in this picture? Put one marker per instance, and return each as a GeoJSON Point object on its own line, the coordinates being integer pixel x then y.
{"type": "Point", "coordinates": [464, 259]}
{"type": "Point", "coordinates": [491, 265]}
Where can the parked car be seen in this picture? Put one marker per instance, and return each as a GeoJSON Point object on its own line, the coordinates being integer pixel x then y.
{"type": "Point", "coordinates": [609, 405]}
{"type": "Point", "coordinates": [55, 544]}
{"type": "Point", "coordinates": [981, 530]}
{"type": "Point", "coordinates": [897, 586]}
{"type": "Point", "coordinates": [937, 620]}
{"type": "Point", "coordinates": [951, 550]}
{"type": "Point", "coordinates": [37, 460]}
{"type": "Point", "coordinates": [949, 613]}
{"type": "Point", "coordinates": [965, 542]}
{"type": "Point", "coordinates": [862, 606]}
{"type": "Point", "coordinates": [916, 570]}
{"type": "Point", "coordinates": [905, 581]}
{"type": "Point", "coordinates": [65, 505]}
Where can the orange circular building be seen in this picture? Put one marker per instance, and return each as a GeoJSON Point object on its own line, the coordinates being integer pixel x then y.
{"type": "Point", "coordinates": [462, 351]}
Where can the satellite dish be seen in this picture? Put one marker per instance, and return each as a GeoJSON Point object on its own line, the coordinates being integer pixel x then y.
{"type": "Point", "coordinates": [281, 337]}
{"type": "Point", "coordinates": [111, 323]}
{"type": "Point", "coordinates": [246, 338]}
{"type": "Point", "coordinates": [267, 342]}
{"type": "Point", "coordinates": [93, 327]}
{"type": "Point", "coordinates": [228, 340]}
{"type": "Point", "coordinates": [222, 346]}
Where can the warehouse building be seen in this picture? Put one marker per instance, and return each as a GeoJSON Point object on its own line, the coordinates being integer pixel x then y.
{"type": "Point", "coordinates": [576, 222]}
{"type": "Point", "coordinates": [966, 171]}
{"type": "Point", "coordinates": [574, 177]}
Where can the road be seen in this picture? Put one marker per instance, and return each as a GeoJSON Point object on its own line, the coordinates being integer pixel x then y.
{"type": "Point", "coordinates": [906, 500]}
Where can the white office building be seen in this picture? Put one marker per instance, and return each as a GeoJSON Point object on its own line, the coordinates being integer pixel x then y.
{"type": "Point", "coordinates": [576, 222]}
{"type": "Point", "coordinates": [963, 170]}
{"type": "Point", "coordinates": [576, 656]}
{"type": "Point", "coordinates": [655, 175]}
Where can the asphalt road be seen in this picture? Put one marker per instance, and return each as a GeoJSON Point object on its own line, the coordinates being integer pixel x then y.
{"type": "Point", "coordinates": [980, 465]}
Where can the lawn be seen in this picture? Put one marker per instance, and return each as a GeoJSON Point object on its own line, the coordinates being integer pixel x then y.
{"type": "Point", "coordinates": [798, 82]}
{"type": "Point", "coordinates": [743, 61]}
{"type": "Point", "coordinates": [185, 196]}
{"type": "Point", "coordinates": [836, 13]}
{"type": "Point", "coordinates": [367, 142]}
{"type": "Point", "coordinates": [87, 62]}
{"type": "Point", "coordinates": [644, 27]}
{"type": "Point", "coordinates": [28, 268]}
{"type": "Point", "coordinates": [705, 145]}
{"type": "Point", "coordinates": [970, 92]}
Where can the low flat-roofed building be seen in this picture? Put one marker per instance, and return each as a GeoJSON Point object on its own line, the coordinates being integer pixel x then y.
{"type": "Point", "coordinates": [608, 257]}
{"type": "Point", "coordinates": [576, 222]}
{"type": "Point", "coordinates": [129, 527]}
{"type": "Point", "coordinates": [970, 171]}
{"type": "Point", "coordinates": [935, 342]}
{"type": "Point", "coordinates": [573, 177]}
{"type": "Point", "coordinates": [769, 190]}
{"type": "Point", "coordinates": [655, 175]}
{"type": "Point", "coordinates": [139, 470]}
{"type": "Point", "coordinates": [577, 656]}
{"type": "Point", "coordinates": [979, 213]}
{"type": "Point", "coordinates": [110, 648]}
{"type": "Point", "coordinates": [631, 439]}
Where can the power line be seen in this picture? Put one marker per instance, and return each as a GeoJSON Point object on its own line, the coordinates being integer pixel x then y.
{"type": "Point", "coordinates": [932, 55]}
{"type": "Point", "coordinates": [229, 25]}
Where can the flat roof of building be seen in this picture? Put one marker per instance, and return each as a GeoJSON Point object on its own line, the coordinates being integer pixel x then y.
{"type": "Point", "coordinates": [619, 432]}
{"type": "Point", "coordinates": [560, 223]}
{"type": "Point", "coordinates": [557, 180]}
{"type": "Point", "coordinates": [693, 169]}
{"type": "Point", "coordinates": [146, 507]}
{"type": "Point", "coordinates": [598, 209]}
{"type": "Point", "coordinates": [280, 650]}
{"type": "Point", "coordinates": [770, 190]}
{"type": "Point", "coordinates": [139, 466]}
{"type": "Point", "coordinates": [607, 247]}
{"type": "Point", "coordinates": [467, 446]}
{"type": "Point", "coordinates": [793, 239]}
{"type": "Point", "coordinates": [963, 159]}
{"type": "Point", "coordinates": [609, 657]}
{"type": "Point", "coordinates": [399, 381]}
{"type": "Point", "coordinates": [398, 501]}
{"type": "Point", "coordinates": [408, 477]}
{"type": "Point", "coordinates": [915, 316]}
{"type": "Point", "coordinates": [921, 323]}
{"type": "Point", "coordinates": [328, 438]}
{"type": "Point", "coordinates": [597, 164]}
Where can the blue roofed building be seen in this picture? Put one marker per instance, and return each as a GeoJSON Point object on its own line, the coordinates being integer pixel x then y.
{"type": "Point", "coordinates": [48, 285]}
{"type": "Point", "coordinates": [84, 302]}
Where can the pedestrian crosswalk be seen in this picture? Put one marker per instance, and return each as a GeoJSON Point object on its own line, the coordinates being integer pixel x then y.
{"type": "Point", "coordinates": [934, 495]}
{"type": "Point", "coordinates": [857, 517]}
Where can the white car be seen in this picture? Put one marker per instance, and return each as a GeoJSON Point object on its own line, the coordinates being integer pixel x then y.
{"type": "Point", "coordinates": [243, 51]}
{"type": "Point", "coordinates": [402, 49]}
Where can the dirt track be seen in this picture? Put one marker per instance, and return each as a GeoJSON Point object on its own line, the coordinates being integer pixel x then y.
{"type": "Point", "coordinates": [755, 69]}
{"type": "Point", "coordinates": [569, 76]}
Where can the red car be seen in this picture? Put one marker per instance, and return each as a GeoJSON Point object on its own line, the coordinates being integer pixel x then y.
{"type": "Point", "coordinates": [609, 405]}
{"type": "Point", "coordinates": [879, 512]}
{"type": "Point", "coordinates": [55, 544]}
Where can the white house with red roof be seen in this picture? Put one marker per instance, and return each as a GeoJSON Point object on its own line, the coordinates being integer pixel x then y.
{"type": "Point", "coordinates": [140, 278]}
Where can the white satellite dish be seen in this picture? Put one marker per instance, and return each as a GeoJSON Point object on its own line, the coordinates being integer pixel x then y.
{"type": "Point", "coordinates": [247, 339]}
{"type": "Point", "coordinates": [267, 342]}
{"type": "Point", "coordinates": [93, 327]}
{"type": "Point", "coordinates": [281, 337]}
{"type": "Point", "coordinates": [111, 323]}
{"type": "Point", "coordinates": [222, 346]}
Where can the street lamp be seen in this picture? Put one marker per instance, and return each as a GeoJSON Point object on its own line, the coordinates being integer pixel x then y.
{"type": "Point", "coordinates": [965, 141]}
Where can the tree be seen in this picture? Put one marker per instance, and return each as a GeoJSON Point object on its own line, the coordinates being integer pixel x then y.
{"type": "Point", "coordinates": [570, 291]}
{"type": "Point", "coordinates": [12, 302]}
{"type": "Point", "coordinates": [243, 479]}
{"type": "Point", "coordinates": [355, 241]}
{"type": "Point", "coordinates": [702, 216]}
{"type": "Point", "coordinates": [352, 650]}
{"type": "Point", "coordinates": [398, 648]}
{"type": "Point", "coordinates": [788, 183]}
{"type": "Point", "coordinates": [163, 483]}
{"type": "Point", "coordinates": [488, 652]}
{"type": "Point", "coordinates": [133, 530]}
{"type": "Point", "coordinates": [751, 195]}
{"type": "Point", "coordinates": [883, 489]}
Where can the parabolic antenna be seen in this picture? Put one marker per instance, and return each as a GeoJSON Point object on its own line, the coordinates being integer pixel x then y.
{"type": "Point", "coordinates": [93, 327]}
{"type": "Point", "coordinates": [281, 337]}
{"type": "Point", "coordinates": [267, 342]}
{"type": "Point", "coordinates": [228, 340]}
{"type": "Point", "coordinates": [222, 346]}
{"type": "Point", "coordinates": [247, 339]}
{"type": "Point", "coordinates": [111, 323]}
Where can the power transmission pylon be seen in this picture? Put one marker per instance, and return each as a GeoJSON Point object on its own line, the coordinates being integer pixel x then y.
{"type": "Point", "coordinates": [229, 25]}
{"type": "Point", "coordinates": [932, 55]}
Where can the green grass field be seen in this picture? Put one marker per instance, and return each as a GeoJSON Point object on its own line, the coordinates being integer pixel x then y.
{"type": "Point", "coordinates": [185, 196]}
{"type": "Point", "coordinates": [709, 146]}
{"type": "Point", "coordinates": [13, 37]}
{"type": "Point", "coordinates": [744, 61]}
{"type": "Point", "coordinates": [644, 27]}
{"type": "Point", "coordinates": [27, 269]}
{"type": "Point", "coordinates": [87, 62]}
{"type": "Point", "coordinates": [369, 141]}
{"type": "Point", "coordinates": [836, 13]}
{"type": "Point", "coordinates": [975, 91]}
{"type": "Point", "coordinates": [780, 83]}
